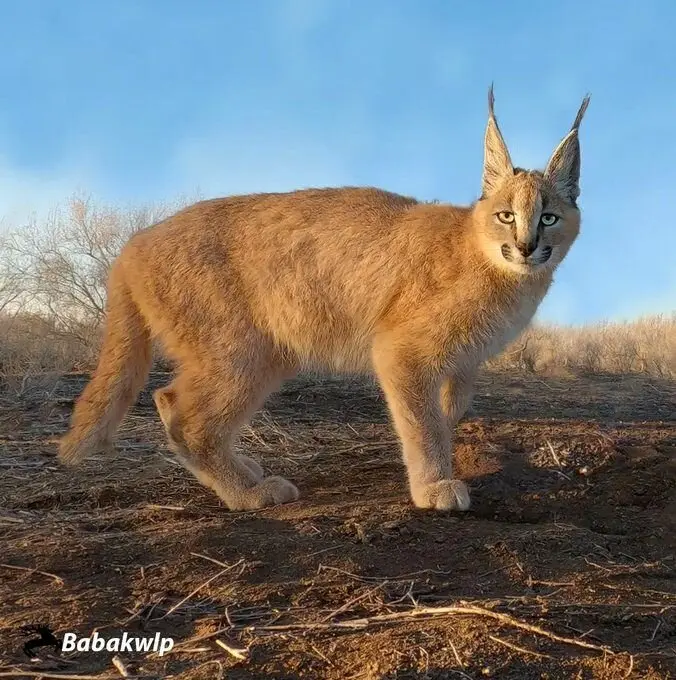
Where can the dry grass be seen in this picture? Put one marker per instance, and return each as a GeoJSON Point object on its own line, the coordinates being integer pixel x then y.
{"type": "Point", "coordinates": [644, 346]}
{"type": "Point", "coordinates": [32, 345]}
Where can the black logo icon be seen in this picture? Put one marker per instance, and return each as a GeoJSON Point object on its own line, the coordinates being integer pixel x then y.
{"type": "Point", "coordinates": [46, 639]}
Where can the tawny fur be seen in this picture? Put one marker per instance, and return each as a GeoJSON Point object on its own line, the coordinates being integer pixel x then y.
{"type": "Point", "coordinates": [243, 292]}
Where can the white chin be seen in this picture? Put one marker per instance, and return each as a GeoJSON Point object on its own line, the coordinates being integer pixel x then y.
{"type": "Point", "coordinates": [522, 267]}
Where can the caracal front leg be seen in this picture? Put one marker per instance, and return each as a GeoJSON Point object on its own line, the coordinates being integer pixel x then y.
{"type": "Point", "coordinates": [411, 390]}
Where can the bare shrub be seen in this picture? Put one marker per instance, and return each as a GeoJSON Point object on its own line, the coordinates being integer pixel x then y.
{"type": "Point", "coordinates": [55, 279]}
{"type": "Point", "coordinates": [11, 286]}
{"type": "Point", "coordinates": [62, 266]}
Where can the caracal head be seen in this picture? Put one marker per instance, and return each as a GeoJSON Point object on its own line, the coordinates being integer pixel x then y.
{"type": "Point", "coordinates": [528, 219]}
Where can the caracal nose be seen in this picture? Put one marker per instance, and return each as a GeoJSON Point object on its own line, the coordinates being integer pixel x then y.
{"type": "Point", "coordinates": [527, 249]}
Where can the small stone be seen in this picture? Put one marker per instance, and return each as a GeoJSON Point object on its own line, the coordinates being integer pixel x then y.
{"type": "Point", "coordinates": [392, 524]}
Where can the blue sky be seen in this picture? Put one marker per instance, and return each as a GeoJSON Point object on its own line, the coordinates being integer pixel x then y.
{"type": "Point", "coordinates": [144, 101]}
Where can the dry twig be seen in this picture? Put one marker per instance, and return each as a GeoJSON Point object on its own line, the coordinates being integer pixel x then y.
{"type": "Point", "coordinates": [47, 674]}
{"type": "Point", "coordinates": [58, 579]}
{"type": "Point", "coordinates": [238, 652]}
{"type": "Point", "coordinates": [194, 592]}
{"type": "Point", "coordinates": [119, 664]}
{"type": "Point", "coordinates": [516, 648]}
{"type": "Point", "coordinates": [353, 601]}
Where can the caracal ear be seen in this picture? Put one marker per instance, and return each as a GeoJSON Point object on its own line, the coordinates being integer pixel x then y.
{"type": "Point", "coordinates": [563, 168]}
{"type": "Point", "coordinates": [497, 163]}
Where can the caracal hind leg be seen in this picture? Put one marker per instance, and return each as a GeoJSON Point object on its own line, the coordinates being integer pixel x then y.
{"type": "Point", "coordinates": [411, 390]}
{"type": "Point", "coordinates": [457, 392]}
{"type": "Point", "coordinates": [456, 395]}
{"type": "Point", "coordinates": [201, 415]}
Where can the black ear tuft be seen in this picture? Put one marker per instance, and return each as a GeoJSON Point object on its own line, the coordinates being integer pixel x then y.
{"type": "Point", "coordinates": [497, 163]}
{"type": "Point", "coordinates": [563, 167]}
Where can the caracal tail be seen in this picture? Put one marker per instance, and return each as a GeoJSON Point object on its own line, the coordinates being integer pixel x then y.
{"type": "Point", "coordinates": [121, 372]}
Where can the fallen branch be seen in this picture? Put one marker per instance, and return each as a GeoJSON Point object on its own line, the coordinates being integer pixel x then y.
{"type": "Point", "coordinates": [427, 612]}
{"type": "Point", "coordinates": [153, 506]}
{"type": "Point", "coordinates": [47, 674]}
{"type": "Point", "coordinates": [58, 579]}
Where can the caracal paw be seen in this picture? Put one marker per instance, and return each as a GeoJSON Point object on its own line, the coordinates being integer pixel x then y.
{"type": "Point", "coordinates": [272, 491]}
{"type": "Point", "coordinates": [446, 494]}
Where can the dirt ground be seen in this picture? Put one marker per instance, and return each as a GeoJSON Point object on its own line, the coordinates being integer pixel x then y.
{"type": "Point", "coordinates": [570, 542]}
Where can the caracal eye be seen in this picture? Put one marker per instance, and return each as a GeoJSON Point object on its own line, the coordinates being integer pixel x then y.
{"type": "Point", "coordinates": [506, 217]}
{"type": "Point", "coordinates": [548, 219]}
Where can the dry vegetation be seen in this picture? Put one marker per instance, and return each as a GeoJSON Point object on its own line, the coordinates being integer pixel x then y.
{"type": "Point", "coordinates": [563, 568]}
{"type": "Point", "coordinates": [644, 346]}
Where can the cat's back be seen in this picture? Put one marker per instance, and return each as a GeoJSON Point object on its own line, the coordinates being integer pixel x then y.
{"type": "Point", "coordinates": [304, 214]}
{"type": "Point", "coordinates": [304, 208]}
